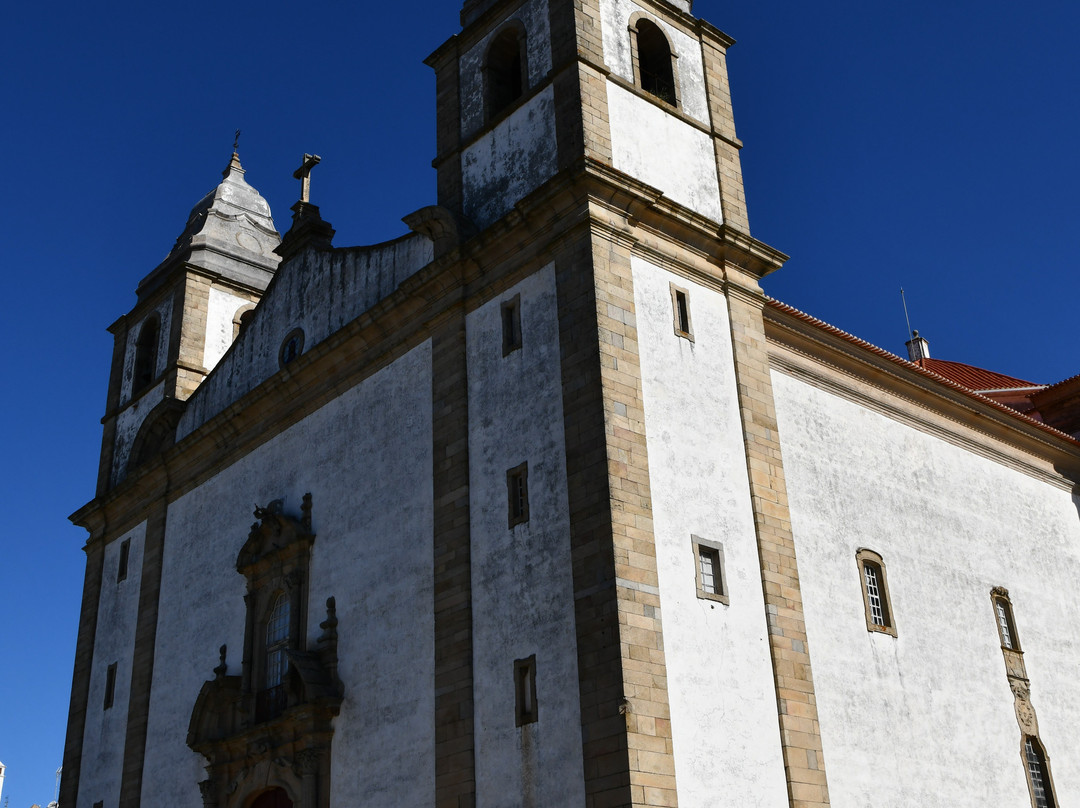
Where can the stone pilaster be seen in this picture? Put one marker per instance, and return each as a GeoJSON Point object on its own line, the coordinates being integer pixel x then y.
{"type": "Point", "coordinates": [577, 54]}
{"type": "Point", "coordinates": [726, 144]}
{"type": "Point", "coordinates": [445, 62]}
{"type": "Point", "coordinates": [455, 775]}
{"type": "Point", "coordinates": [188, 335]}
{"type": "Point", "coordinates": [80, 680]}
{"type": "Point", "coordinates": [800, 734]}
{"type": "Point", "coordinates": [626, 727]}
{"type": "Point", "coordinates": [142, 661]}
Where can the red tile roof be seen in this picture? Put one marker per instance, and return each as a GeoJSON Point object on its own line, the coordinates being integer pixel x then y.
{"type": "Point", "coordinates": [972, 377]}
{"type": "Point", "coordinates": [930, 372]}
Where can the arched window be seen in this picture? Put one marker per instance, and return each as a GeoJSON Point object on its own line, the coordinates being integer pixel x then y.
{"type": "Point", "coordinates": [875, 588]}
{"type": "Point", "coordinates": [1003, 613]}
{"type": "Point", "coordinates": [277, 641]}
{"type": "Point", "coordinates": [274, 798]}
{"type": "Point", "coordinates": [291, 347]}
{"type": "Point", "coordinates": [1042, 791]}
{"type": "Point", "coordinates": [242, 318]}
{"type": "Point", "coordinates": [505, 70]}
{"type": "Point", "coordinates": [653, 62]}
{"type": "Point", "coordinates": [146, 350]}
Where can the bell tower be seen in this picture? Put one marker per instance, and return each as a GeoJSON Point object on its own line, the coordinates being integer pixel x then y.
{"type": "Point", "coordinates": [531, 88]}
{"type": "Point", "coordinates": [189, 310]}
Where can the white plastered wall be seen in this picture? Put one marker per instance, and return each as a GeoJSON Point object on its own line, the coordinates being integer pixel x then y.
{"type": "Point", "coordinates": [221, 311]}
{"type": "Point", "coordinates": [926, 717]}
{"type": "Point", "coordinates": [517, 156]}
{"type": "Point", "coordinates": [657, 148]}
{"type": "Point", "coordinates": [523, 601]}
{"type": "Point", "coordinates": [366, 459]}
{"type": "Point", "coordinates": [114, 641]}
{"type": "Point", "coordinates": [724, 726]}
{"type": "Point", "coordinates": [615, 26]}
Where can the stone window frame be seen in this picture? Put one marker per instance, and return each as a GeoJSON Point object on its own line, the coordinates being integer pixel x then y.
{"type": "Point", "coordinates": [517, 495]}
{"type": "Point", "coordinates": [526, 710]}
{"type": "Point", "coordinates": [487, 73]}
{"type": "Point", "coordinates": [999, 596]}
{"type": "Point", "coordinates": [123, 561]}
{"type": "Point", "coordinates": [1049, 790]}
{"type": "Point", "coordinates": [716, 550]}
{"type": "Point", "coordinates": [635, 58]}
{"type": "Point", "coordinates": [241, 318]}
{"type": "Point", "coordinates": [510, 320]}
{"type": "Point", "coordinates": [863, 557]}
{"type": "Point", "coordinates": [678, 311]}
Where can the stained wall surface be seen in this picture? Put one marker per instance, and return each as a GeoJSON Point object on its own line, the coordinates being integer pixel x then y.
{"type": "Point", "coordinates": [533, 16]}
{"type": "Point", "coordinates": [507, 162]}
{"type": "Point", "coordinates": [106, 729]}
{"type": "Point", "coordinates": [927, 717]}
{"type": "Point", "coordinates": [523, 601]}
{"type": "Point", "coordinates": [221, 310]}
{"type": "Point", "coordinates": [723, 702]}
{"type": "Point", "coordinates": [366, 459]}
{"type": "Point", "coordinates": [317, 292]}
{"type": "Point", "coordinates": [663, 151]}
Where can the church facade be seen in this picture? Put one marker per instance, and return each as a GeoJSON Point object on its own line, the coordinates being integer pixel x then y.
{"type": "Point", "coordinates": [553, 506]}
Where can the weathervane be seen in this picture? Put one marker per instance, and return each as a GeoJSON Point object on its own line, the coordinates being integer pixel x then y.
{"type": "Point", "coordinates": [236, 140]}
{"type": "Point", "coordinates": [304, 175]}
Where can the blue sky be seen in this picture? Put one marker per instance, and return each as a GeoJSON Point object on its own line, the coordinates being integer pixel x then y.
{"type": "Point", "coordinates": [924, 145]}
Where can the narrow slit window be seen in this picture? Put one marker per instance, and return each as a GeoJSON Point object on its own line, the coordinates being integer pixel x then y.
{"type": "Point", "coordinates": [511, 324]}
{"type": "Point", "coordinates": [122, 565]}
{"type": "Point", "coordinates": [525, 691]}
{"type": "Point", "coordinates": [709, 563]}
{"type": "Point", "coordinates": [875, 590]}
{"type": "Point", "coordinates": [110, 686]}
{"type": "Point", "coordinates": [504, 70]}
{"type": "Point", "coordinates": [1038, 774]}
{"type": "Point", "coordinates": [680, 305]}
{"type": "Point", "coordinates": [517, 492]}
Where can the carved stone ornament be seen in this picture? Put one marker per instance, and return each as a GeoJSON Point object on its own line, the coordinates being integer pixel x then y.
{"type": "Point", "coordinates": [1025, 711]}
{"type": "Point", "coordinates": [307, 761]}
{"type": "Point", "coordinates": [257, 734]}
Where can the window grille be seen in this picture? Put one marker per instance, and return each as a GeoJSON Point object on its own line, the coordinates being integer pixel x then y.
{"type": "Point", "coordinates": [277, 640]}
{"type": "Point", "coordinates": [709, 562]}
{"type": "Point", "coordinates": [1003, 623]}
{"type": "Point", "coordinates": [1036, 765]}
{"type": "Point", "coordinates": [873, 592]}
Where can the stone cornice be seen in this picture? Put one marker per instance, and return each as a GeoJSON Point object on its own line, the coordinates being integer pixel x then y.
{"type": "Point", "coordinates": [882, 383]}
{"type": "Point", "coordinates": [588, 194]}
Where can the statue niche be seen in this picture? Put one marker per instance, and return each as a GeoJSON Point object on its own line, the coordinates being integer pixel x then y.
{"type": "Point", "coordinates": [266, 733]}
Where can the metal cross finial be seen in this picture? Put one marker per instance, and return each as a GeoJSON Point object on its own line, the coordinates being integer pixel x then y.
{"type": "Point", "coordinates": [236, 140]}
{"type": "Point", "coordinates": [304, 175]}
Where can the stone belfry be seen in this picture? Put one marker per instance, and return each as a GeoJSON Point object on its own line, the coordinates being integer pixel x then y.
{"type": "Point", "coordinates": [529, 90]}
{"type": "Point", "coordinates": [189, 309]}
{"type": "Point", "coordinates": [599, 135]}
